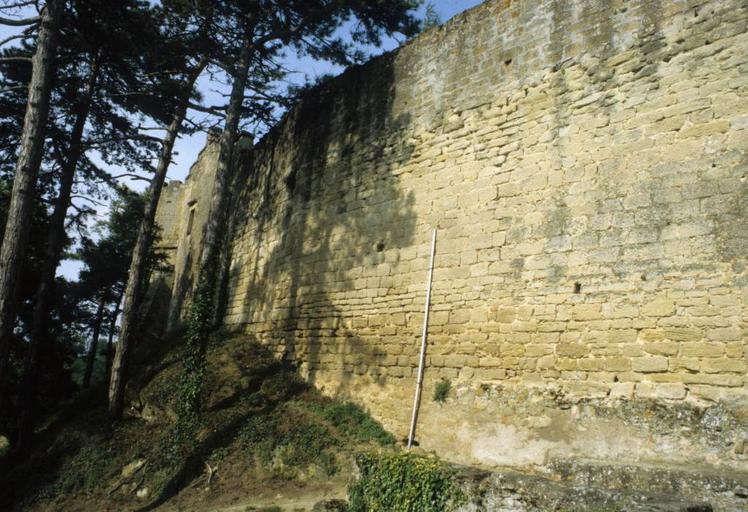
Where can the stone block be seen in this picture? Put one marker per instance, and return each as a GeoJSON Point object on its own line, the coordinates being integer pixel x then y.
{"type": "Point", "coordinates": [622, 336]}
{"type": "Point", "coordinates": [725, 334]}
{"type": "Point", "coordinates": [661, 306]}
{"type": "Point", "coordinates": [649, 364]}
{"type": "Point", "coordinates": [622, 390]}
{"type": "Point", "coordinates": [724, 366]}
{"type": "Point", "coordinates": [706, 129]}
{"type": "Point", "coordinates": [617, 364]}
{"type": "Point", "coordinates": [702, 349]}
{"type": "Point", "coordinates": [645, 390]}
{"type": "Point", "coordinates": [547, 362]}
{"type": "Point", "coordinates": [438, 317]}
{"type": "Point", "coordinates": [710, 393]}
{"type": "Point", "coordinates": [662, 348]}
{"type": "Point", "coordinates": [587, 312]}
{"type": "Point", "coordinates": [671, 391]}
{"type": "Point", "coordinates": [681, 363]}
{"type": "Point", "coordinates": [511, 349]}
{"type": "Point", "coordinates": [683, 333]}
{"type": "Point", "coordinates": [587, 389]}
{"type": "Point", "coordinates": [459, 316]}
{"type": "Point", "coordinates": [572, 349]}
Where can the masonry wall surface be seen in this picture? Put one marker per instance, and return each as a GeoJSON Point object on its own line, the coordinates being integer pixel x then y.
{"type": "Point", "coordinates": [585, 165]}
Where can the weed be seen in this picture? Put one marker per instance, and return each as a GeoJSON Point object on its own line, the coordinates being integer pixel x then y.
{"type": "Point", "coordinates": [160, 478]}
{"type": "Point", "coordinates": [219, 454]}
{"type": "Point", "coordinates": [84, 471]}
{"type": "Point", "coordinates": [441, 390]}
{"type": "Point", "coordinates": [351, 420]}
{"type": "Point", "coordinates": [287, 440]}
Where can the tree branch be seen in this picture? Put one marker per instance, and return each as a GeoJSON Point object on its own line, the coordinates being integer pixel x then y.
{"type": "Point", "coordinates": [216, 111]}
{"type": "Point", "coordinates": [14, 88]}
{"type": "Point", "coordinates": [142, 138]}
{"type": "Point", "coordinates": [20, 23]}
{"type": "Point", "coordinates": [151, 128]}
{"type": "Point", "coordinates": [12, 38]}
{"type": "Point", "coordinates": [89, 199]}
{"type": "Point", "coordinates": [19, 4]}
{"type": "Point", "coordinates": [15, 58]}
{"type": "Point", "coordinates": [131, 176]}
{"type": "Point", "coordinates": [201, 127]}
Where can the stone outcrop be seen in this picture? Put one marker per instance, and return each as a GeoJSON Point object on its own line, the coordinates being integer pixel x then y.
{"type": "Point", "coordinates": [585, 163]}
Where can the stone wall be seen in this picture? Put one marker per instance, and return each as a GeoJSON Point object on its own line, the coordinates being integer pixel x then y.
{"type": "Point", "coordinates": [189, 202]}
{"type": "Point", "coordinates": [584, 162]}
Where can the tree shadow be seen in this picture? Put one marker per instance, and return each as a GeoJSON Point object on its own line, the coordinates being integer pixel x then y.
{"type": "Point", "coordinates": [231, 413]}
{"type": "Point", "coordinates": [78, 425]}
{"type": "Point", "coordinates": [320, 226]}
{"type": "Point", "coordinates": [183, 285]}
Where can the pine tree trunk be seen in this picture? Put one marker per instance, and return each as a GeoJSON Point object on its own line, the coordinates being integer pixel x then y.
{"type": "Point", "coordinates": [209, 275]}
{"type": "Point", "coordinates": [55, 240]}
{"type": "Point", "coordinates": [24, 181]}
{"type": "Point", "coordinates": [138, 264]}
{"type": "Point", "coordinates": [110, 340]}
{"type": "Point", "coordinates": [204, 309]}
{"type": "Point", "coordinates": [56, 233]}
{"type": "Point", "coordinates": [91, 356]}
{"type": "Point", "coordinates": [224, 259]}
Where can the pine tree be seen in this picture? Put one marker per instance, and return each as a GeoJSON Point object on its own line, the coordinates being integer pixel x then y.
{"type": "Point", "coordinates": [106, 262]}
{"type": "Point", "coordinates": [431, 19]}
{"type": "Point", "coordinates": [100, 52]}
{"type": "Point", "coordinates": [197, 50]}
{"type": "Point", "coordinates": [27, 169]}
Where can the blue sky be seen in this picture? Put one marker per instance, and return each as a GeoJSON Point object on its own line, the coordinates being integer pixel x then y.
{"type": "Point", "coordinates": [188, 148]}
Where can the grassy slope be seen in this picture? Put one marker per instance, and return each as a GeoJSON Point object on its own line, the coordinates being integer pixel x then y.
{"type": "Point", "coordinates": [263, 430]}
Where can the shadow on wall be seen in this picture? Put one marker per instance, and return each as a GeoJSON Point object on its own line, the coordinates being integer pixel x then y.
{"type": "Point", "coordinates": [183, 286]}
{"type": "Point", "coordinates": [323, 223]}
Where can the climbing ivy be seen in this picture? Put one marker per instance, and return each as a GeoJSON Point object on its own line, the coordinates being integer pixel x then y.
{"type": "Point", "coordinates": [403, 482]}
{"type": "Point", "coordinates": [193, 373]}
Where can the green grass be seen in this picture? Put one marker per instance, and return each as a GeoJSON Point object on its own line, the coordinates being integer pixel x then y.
{"type": "Point", "coordinates": [287, 441]}
{"type": "Point", "coordinates": [353, 421]}
{"type": "Point", "coordinates": [306, 430]}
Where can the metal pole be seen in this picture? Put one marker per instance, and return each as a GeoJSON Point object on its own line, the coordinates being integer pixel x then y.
{"type": "Point", "coordinates": [422, 361]}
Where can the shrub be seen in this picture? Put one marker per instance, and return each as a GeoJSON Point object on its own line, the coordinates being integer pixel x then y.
{"type": "Point", "coordinates": [441, 390]}
{"type": "Point", "coordinates": [403, 482]}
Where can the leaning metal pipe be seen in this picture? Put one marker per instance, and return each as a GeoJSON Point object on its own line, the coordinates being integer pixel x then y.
{"type": "Point", "coordinates": [422, 361]}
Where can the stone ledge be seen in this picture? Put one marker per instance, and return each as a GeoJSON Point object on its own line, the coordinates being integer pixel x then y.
{"type": "Point", "coordinates": [593, 486]}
